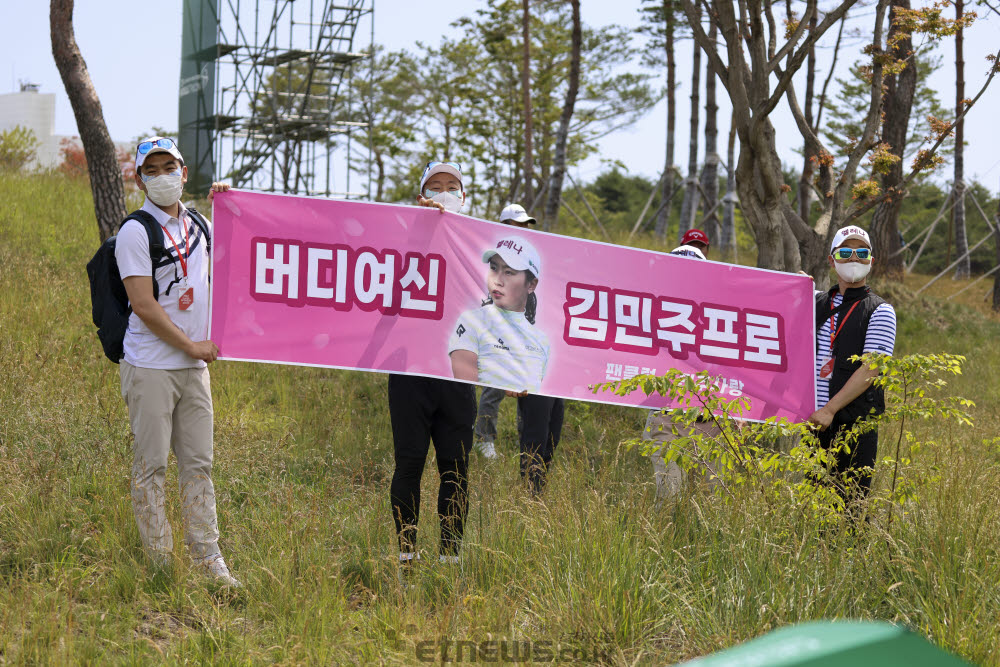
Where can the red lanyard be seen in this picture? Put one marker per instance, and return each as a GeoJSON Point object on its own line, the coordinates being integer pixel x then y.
{"type": "Point", "coordinates": [834, 334]}
{"type": "Point", "coordinates": [180, 256]}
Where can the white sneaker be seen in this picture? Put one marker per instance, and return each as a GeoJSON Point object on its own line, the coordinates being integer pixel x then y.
{"type": "Point", "coordinates": [405, 571]}
{"type": "Point", "coordinates": [487, 449]}
{"type": "Point", "coordinates": [449, 560]}
{"type": "Point", "coordinates": [215, 567]}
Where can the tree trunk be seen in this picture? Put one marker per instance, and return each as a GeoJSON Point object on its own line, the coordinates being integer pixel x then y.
{"type": "Point", "coordinates": [710, 172]}
{"type": "Point", "coordinates": [529, 167]}
{"type": "Point", "coordinates": [668, 181]}
{"type": "Point", "coordinates": [804, 194]}
{"type": "Point", "coordinates": [996, 276]}
{"type": "Point", "coordinates": [380, 177]}
{"type": "Point", "coordinates": [958, 213]}
{"type": "Point", "coordinates": [689, 207]}
{"type": "Point", "coordinates": [727, 238]}
{"type": "Point", "coordinates": [102, 160]}
{"type": "Point", "coordinates": [559, 162]}
{"type": "Point", "coordinates": [763, 202]}
{"type": "Point", "coordinates": [898, 103]}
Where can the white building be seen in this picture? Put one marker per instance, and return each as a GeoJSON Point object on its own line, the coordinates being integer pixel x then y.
{"type": "Point", "coordinates": [37, 112]}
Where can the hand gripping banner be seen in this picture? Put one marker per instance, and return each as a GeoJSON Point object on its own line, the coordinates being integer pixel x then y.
{"type": "Point", "coordinates": [405, 289]}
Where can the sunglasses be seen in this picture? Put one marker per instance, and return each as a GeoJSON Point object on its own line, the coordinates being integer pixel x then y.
{"type": "Point", "coordinates": [147, 146]}
{"type": "Point", "coordinates": [845, 253]}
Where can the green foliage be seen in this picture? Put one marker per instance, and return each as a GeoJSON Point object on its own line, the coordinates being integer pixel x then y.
{"type": "Point", "coordinates": [18, 148]}
{"type": "Point", "coordinates": [922, 205]}
{"type": "Point", "coordinates": [744, 457]}
{"type": "Point", "coordinates": [467, 92]}
{"type": "Point", "coordinates": [846, 116]}
{"type": "Point", "coordinates": [386, 92]}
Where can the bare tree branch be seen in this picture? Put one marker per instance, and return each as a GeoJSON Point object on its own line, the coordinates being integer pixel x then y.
{"type": "Point", "coordinates": [829, 76]}
{"type": "Point", "coordinates": [797, 35]}
{"type": "Point", "coordinates": [922, 163]}
{"type": "Point", "coordinates": [795, 62]}
{"type": "Point", "coordinates": [772, 28]}
{"type": "Point", "coordinates": [875, 106]}
{"type": "Point", "coordinates": [707, 45]}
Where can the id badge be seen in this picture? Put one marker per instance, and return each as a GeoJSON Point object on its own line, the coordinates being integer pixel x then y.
{"type": "Point", "coordinates": [826, 370]}
{"type": "Point", "coordinates": [185, 298]}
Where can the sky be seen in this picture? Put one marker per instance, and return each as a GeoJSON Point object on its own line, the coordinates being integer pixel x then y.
{"type": "Point", "coordinates": [137, 83]}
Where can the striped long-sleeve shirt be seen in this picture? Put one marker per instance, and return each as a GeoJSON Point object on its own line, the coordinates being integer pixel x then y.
{"type": "Point", "coordinates": [880, 337]}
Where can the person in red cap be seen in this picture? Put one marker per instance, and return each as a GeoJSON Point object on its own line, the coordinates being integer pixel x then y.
{"type": "Point", "coordinates": [696, 239]}
{"type": "Point", "coordinates": [660, 427]}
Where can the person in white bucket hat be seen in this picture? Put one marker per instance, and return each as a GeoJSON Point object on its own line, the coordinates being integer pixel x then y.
{"type": "Point", "coordinates": [499, 344]}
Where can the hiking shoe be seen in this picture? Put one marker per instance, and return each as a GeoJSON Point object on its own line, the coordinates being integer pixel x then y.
{"type": "Point", "coordinates": [486, 448]}
{"type": "Point", "coordinates": [215, 567]}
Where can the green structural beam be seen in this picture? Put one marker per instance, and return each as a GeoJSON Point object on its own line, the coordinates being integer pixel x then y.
{"type": "Point", "coordinates": [196, 99]}
{"type": "Point", "coordinates": [834, 644]}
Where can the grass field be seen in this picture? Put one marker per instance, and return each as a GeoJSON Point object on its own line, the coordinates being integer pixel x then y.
{"type": "Point", "coordinates": [303, 462]}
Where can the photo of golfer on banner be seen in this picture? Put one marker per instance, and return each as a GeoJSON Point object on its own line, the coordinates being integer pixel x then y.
{"type": "Point", "coordinates": [498, 343]}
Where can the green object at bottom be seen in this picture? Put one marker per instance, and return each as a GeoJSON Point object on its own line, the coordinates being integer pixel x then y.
{"type": "Point", "coordinates": [834, 644]}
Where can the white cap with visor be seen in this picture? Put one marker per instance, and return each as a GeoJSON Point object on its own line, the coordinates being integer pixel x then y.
{"type": "Point", "coordinates": [518, 254]}
{"type": "Point", "coordinates": [154, 145]}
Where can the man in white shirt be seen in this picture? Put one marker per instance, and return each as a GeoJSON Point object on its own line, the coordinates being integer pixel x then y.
{"type": "Point", "coordinates": [164, 374]}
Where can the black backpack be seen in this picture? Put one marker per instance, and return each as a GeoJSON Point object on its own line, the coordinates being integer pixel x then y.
{"type": "Point", "coordinates": [108, 298]}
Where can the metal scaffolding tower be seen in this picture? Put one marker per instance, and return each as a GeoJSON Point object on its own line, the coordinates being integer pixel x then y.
{"type": "Point", "coordinates": [282, 114]}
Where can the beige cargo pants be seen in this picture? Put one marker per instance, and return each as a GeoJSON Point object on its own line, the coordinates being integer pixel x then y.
{"type": "Point", "coordinates": [172, 410]}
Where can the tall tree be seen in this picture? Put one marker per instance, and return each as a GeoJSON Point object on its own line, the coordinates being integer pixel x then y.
{"type": "Point", "coordinates": [804, 194]}
{"type": "Point", "coordinates": [559, 161]}
{"type": "Point", "coordinates": [102, 162]}
{"type": "Point", "coordinates": [806, 191]}
{"type": "Point", "coordinates": [689, 207]}
{"type": "Point", "coordinates": [958, 193]}
{"type": "Point", "coordinates": [727, 237]}
{"type": "Point", "coordinates": [609, 96]}
{"type": "Point", "coordinates": [660, 21]}
{"type": "Point", "coordinates": [757, 75]}
{"type": "Point", "coordinates": [387, 94]}
{"type": "Point", "coordinates": [529, 167]}
{"type": "Point", "coordinates": [900, 89]}
{"type": "Point", "coordinates": [710, 170]}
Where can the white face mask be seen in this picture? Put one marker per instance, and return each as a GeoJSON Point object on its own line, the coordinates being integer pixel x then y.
{"type": "Point", "coordinates": [165, 189]}
{"type": "Point", "coordinates": [451, 201]}
{"type": "Point", "coordinates": [852, 272]}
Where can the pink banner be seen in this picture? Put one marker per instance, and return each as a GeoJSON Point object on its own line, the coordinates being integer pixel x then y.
{"type": "Point", "coordinates": [405, 289]}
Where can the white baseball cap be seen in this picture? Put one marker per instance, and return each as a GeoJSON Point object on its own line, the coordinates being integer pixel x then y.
{"type": "Point", "coordinates": [435, 167]}
{"type": "Point", "coordinates": [153, 145]}
{"type": "Point", "coordinates": [850, 232]}
{"type": "Point", "coordinates": [517, 253]}
{"type": "Point", "coordinates": [516, 213]}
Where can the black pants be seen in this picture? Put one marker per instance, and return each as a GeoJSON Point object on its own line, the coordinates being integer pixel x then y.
{"type": "Point", "coordinates": [540, 431]}
{"type": "Point", "coordinates": [852, 470]}
{"type": "Point", "coordinates": [424, 410]}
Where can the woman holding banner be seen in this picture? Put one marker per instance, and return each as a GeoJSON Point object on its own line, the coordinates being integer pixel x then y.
{"type": "Point", "coordinates": [498, 344]}
{"type": "Point", "coordinates": [423, 410]}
